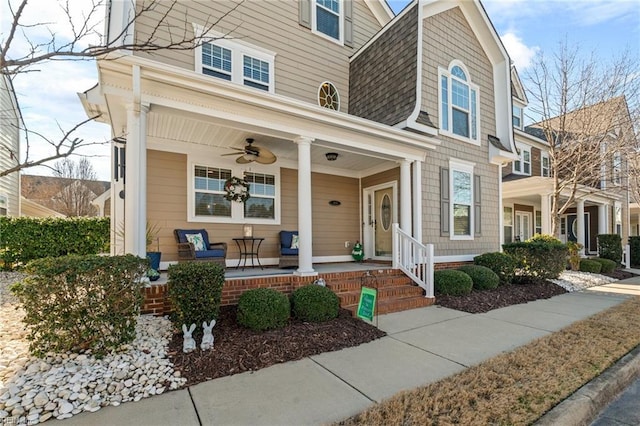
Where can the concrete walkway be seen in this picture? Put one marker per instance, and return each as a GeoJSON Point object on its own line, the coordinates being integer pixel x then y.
{"type": "Point", "coordinates": [422, 346]}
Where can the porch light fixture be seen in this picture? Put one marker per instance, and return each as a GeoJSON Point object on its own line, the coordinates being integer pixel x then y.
{"type": "Point", "coordinates": [331, 156]}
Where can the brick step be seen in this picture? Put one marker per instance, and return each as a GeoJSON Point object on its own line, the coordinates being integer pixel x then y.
{"type": "Point", "coordinates": [396, 305]}
{"type": "Point", "coordinates": [348, 285]}
{"type": "Point", "coordinates": [384, 294]}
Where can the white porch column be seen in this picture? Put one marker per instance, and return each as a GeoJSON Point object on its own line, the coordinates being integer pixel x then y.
{"type": "Point", "coordinates": [602, 218]}
{"type": "Point", "coordinates": [545, 209]}
{"type": "Point", "coordinates": [405, 196]}
{"type": "Point", "coordinates": [305, 257]}
{"type": "Point", "coordinates": [580, 221]}
{"type": "Point", "coordinates": [417, 200]}
{"type": "Point", "coordinates": [135, 199]}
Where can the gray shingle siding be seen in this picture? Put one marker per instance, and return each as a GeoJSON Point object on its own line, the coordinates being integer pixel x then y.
{"type": "Point", "coordinates": [382, 80]}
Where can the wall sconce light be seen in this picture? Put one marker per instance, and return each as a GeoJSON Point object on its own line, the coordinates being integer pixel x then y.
{"type": "Point", "coordinates": [331, 156]}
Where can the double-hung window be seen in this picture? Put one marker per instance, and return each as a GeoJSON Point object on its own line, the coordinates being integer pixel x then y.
{"type": "Point", "coordinates": [517, 117]}
{"type": "Point", "coordinates": [4, 204]}
{"type": "Point", "coordinates": [544, 163]}
{"type": "Point", "coordinates": [459, 104]}
{"type": "Point", "coordinates": [522, 165]}
{"type": "Point", "coordinates": [462, 205]}
{"type": "Point", "coordinates": [236, 61]}
{"type": "Point", "coordinates": [328, 18]}
{"type": "Point", "coordinates": [207, 195]}
{"type": "Point", "coordinates": [507, 223]}
{"type": "Point", "coordinates": [617, 169]}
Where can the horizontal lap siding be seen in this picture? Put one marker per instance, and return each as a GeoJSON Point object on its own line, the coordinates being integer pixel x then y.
{"type": "Point", "coordinates": [447, 36]}
{"type": "Point", "coordinates": [332, 225]}
{"type": "Point", "coordinates": [303, 59]}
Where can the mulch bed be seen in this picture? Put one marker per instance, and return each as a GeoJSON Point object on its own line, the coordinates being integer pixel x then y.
{"type": "Point", "coordinates": [237, 349]}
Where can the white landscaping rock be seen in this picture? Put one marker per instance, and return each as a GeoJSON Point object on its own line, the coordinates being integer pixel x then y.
{"type": "Point", "coordinates": [61, 385]}
{"type": "Point", "coordinates": [576, 280]}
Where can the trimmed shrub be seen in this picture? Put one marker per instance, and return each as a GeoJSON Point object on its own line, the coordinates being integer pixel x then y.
{"type": "Point", "coordinates": [501, 263]}
{"type": "Point", "coordinates": [314, 303]}
{"type": "Point", "coordinates": [23, 239]}
{"type": "Point", "coordinates": [608, 265]}
{"type": "Point", "coordinates": [610, 247]}
{"type": "Point", "coordinates": [77, 303]}
{"type": "Point", "coordinates": [538, 259]}
{"type": "Point", "coordinates": [587, 265]}
{"type": "Point", "coordinates": [634, 246]}
{"type": "Point", "coordinates": [263, 309]}
{"type": "Point", "coordinates": [195, 290]}
{"type": "Point", "coordinates": [452, 282]}
{"type": "Point", "coordinates": [483, 278]}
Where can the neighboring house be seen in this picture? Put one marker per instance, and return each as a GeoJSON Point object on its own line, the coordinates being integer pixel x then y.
{"type": "Point", "coordinates": [373, 119]}
{"type": "Point", "coordinates": [68, 197]}
{"type": "Point", "coordinates": [102, 203]}
{"type": "Point", "coordinates": [30, 208]}
{"type": "Point", "coordinates": [601, 203]}
{"type": "Point", "coordinates": [10, 124]}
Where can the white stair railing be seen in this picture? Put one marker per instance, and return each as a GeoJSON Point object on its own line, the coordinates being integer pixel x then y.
{"type": "Point", "coordinates": [413, 258]}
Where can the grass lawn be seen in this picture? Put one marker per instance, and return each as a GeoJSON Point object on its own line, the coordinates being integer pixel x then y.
{"type": "Point", "coordinates": [520, 386]}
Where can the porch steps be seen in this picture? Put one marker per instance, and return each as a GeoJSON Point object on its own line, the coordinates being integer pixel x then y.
{"type": "Point", "coordinates": [396, 291]}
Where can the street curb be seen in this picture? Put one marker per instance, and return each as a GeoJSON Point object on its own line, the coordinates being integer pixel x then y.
{"type": "Point", "coordinates": [582, 407]}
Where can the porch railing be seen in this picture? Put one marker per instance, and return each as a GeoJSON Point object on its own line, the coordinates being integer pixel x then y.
{"type": "Point", "coordinates": [413, 258]}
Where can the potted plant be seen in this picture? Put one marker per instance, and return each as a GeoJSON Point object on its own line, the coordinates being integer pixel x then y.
{"type": "Point", "coordinates": [153, 256]}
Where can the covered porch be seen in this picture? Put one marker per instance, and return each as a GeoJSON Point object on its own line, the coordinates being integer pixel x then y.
{"type": "Point", "coordinates": [173, 133]}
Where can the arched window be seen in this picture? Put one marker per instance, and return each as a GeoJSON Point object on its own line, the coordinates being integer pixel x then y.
{"type": "Point", "coordinates": [458, 103]}
{"type": "Point", "coordinates": [328, 96]}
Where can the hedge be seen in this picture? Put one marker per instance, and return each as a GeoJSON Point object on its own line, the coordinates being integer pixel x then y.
{"type": "Point", "coordinates": [588, 265]}
{"type": "Point", "coordinates": [501, 263]}
{"type": "Point", "coordinates": [538, 260]}
{"type": "Point", "coordinates": [610, 247]}
{"type": "Point", "coordinates": [634, 245]}
{"type": "Point", "coordinates": [452, 282]}
{"type": "Point", "coordinates": [23, 239]}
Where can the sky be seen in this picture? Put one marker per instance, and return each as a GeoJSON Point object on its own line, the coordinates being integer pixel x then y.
{"type": "Point", "coordinates": [49, 101]}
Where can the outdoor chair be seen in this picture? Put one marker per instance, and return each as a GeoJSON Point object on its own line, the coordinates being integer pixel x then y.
{"type": "Point", "coordinates": [194, 245]}
{"type": "Point", "coordinates": [288, 249]}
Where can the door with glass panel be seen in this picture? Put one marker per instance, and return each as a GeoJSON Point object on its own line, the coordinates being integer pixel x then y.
{"type": "Point", "coordinates": [380, 213]}
{"type": "Point", "coordinates": [523, 226]}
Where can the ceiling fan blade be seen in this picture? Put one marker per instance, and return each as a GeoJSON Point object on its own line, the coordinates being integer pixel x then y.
{"type": "Point", "coordinates": [242, 160]}
{"type": "Point", "coordinates": [264, 153]}
{"type": "Point", "coordinates": [265, 160]}
{"type": "Point", "coordinates": [230, 154]}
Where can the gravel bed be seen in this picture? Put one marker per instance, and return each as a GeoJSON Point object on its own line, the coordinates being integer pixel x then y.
{"type": "Point", "coordinates": [33, 390]}
{"type": "Point", "coordinates": [576, 280]}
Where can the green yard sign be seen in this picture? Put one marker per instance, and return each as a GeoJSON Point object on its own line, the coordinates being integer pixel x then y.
{"type": "Point", "coordinates": [367, 304]}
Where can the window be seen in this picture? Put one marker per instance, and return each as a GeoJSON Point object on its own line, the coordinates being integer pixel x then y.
{"type": "Point", "coordinates": [617, 208]}
{"type": "Point", "coordinates": [209, 192]}
{"type": "Point", "coordinates": [328, 18]}
{"type": "Point", "coordinates": [616, 176]}
{"type": "Point", "coordinates": [207, 202]}
{"type": "Point", "coordinates": [328, 96]}
{"type": "Point", "coordinates": [544, 162]}
{"type": "Point", "coordinates": [462, 205]}
{"type": "Point", "coordinates": [4, 204]}
{"type": "Point", "coordinates": [538, 223]}
{"type": "Point", "coordinates": [236, 61]}
{"type": "Point", "coordinates": [522, 165]}
{"type": "Point", "coordinates": [507, 223]}
{"type": "Point", "coordinates": [458, 104]}
{"type": "Point", "coordinates": [517, 117]}
{"type": "Point", "coordinates": [261, 204]}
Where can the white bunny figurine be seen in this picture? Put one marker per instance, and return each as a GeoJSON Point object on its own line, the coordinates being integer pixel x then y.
{"type": "Point", "coordinates": [207, 339]}
{"type": "Point", "coordinates": [189, 343]}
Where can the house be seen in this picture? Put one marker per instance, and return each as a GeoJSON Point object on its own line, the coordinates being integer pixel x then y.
{"type": "Point", "coordinates": [600, 204]}
{"type": "Point", "coordinates": [372, 120]}
{"type": "Point", "coordinates": [10, 125]}
{"type": "Point", "coordinates": [61, 197]}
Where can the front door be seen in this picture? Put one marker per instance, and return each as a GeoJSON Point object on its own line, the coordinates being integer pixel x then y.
{"type": "Point", "coordinates": [380, 213]}
{"type": "Point", "coordinates": [523, 226]}
{"type": "Point", "coordinates": [572, 229]}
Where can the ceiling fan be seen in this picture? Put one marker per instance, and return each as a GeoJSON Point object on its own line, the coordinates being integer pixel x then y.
{"type": "Point", "coordinates": [251, 153]}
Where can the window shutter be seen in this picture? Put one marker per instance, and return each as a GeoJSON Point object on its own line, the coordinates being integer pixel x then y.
{"type": "Point", "coordinates": [304, 13]}
{"type": "Point", "coordinates": [348, 23]}
{"type": "Point", "coordinates": [477, 201]}
{"type": "Point", "coordinates": [444, 202]}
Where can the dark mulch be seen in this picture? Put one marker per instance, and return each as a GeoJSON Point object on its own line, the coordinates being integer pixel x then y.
{"type": "Point", "coordinates": [237, 349]}
{"type": "Point", "coordinates": [505, 295]}
{"type": "Point", "coordinates": [619, 274]}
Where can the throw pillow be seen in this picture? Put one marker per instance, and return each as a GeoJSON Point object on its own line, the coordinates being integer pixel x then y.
{"type": "Point", "coordinates": [197, 241]}
{"type": "Point", "coordinates": [295, 241]}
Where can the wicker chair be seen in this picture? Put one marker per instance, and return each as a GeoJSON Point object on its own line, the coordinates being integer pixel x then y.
{"type": "Point", "coordinates": [288, 255]}
{"type": "Point", "coordinates": [213, 252]}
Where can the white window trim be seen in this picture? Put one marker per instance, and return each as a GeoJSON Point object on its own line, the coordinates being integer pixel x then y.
{"type": "Point", "coordinates": [337, 94]}
{"type": "Point", "coordinates": [466, 167]}
{"type": "Point", "coordinates": [504, 225]}
{"type": "Point", "coordinates": [535, 225]}
{"type": "Point", "coordinates": [616, 169]}
{"type": "Point", "coordinates": [5, 204]}
{"type": "Point", "coordinates": [542, 157]}
{"type": "Point", "coordinates": [449, 132]}
{"type": "Point", "coordinates": [314, 23]}
{"type": "Point", "coordinates": [522, 149]}
{"type": "Point", "coordinates": [237, 209]}
{"type": "Point", "coordinates": [513, 107]}
{"type": "Point", "coordinates": [239, 49]}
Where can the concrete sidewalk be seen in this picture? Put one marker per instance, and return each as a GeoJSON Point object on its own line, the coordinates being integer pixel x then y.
{"type": "Point", "coordinates": [422, 346]}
